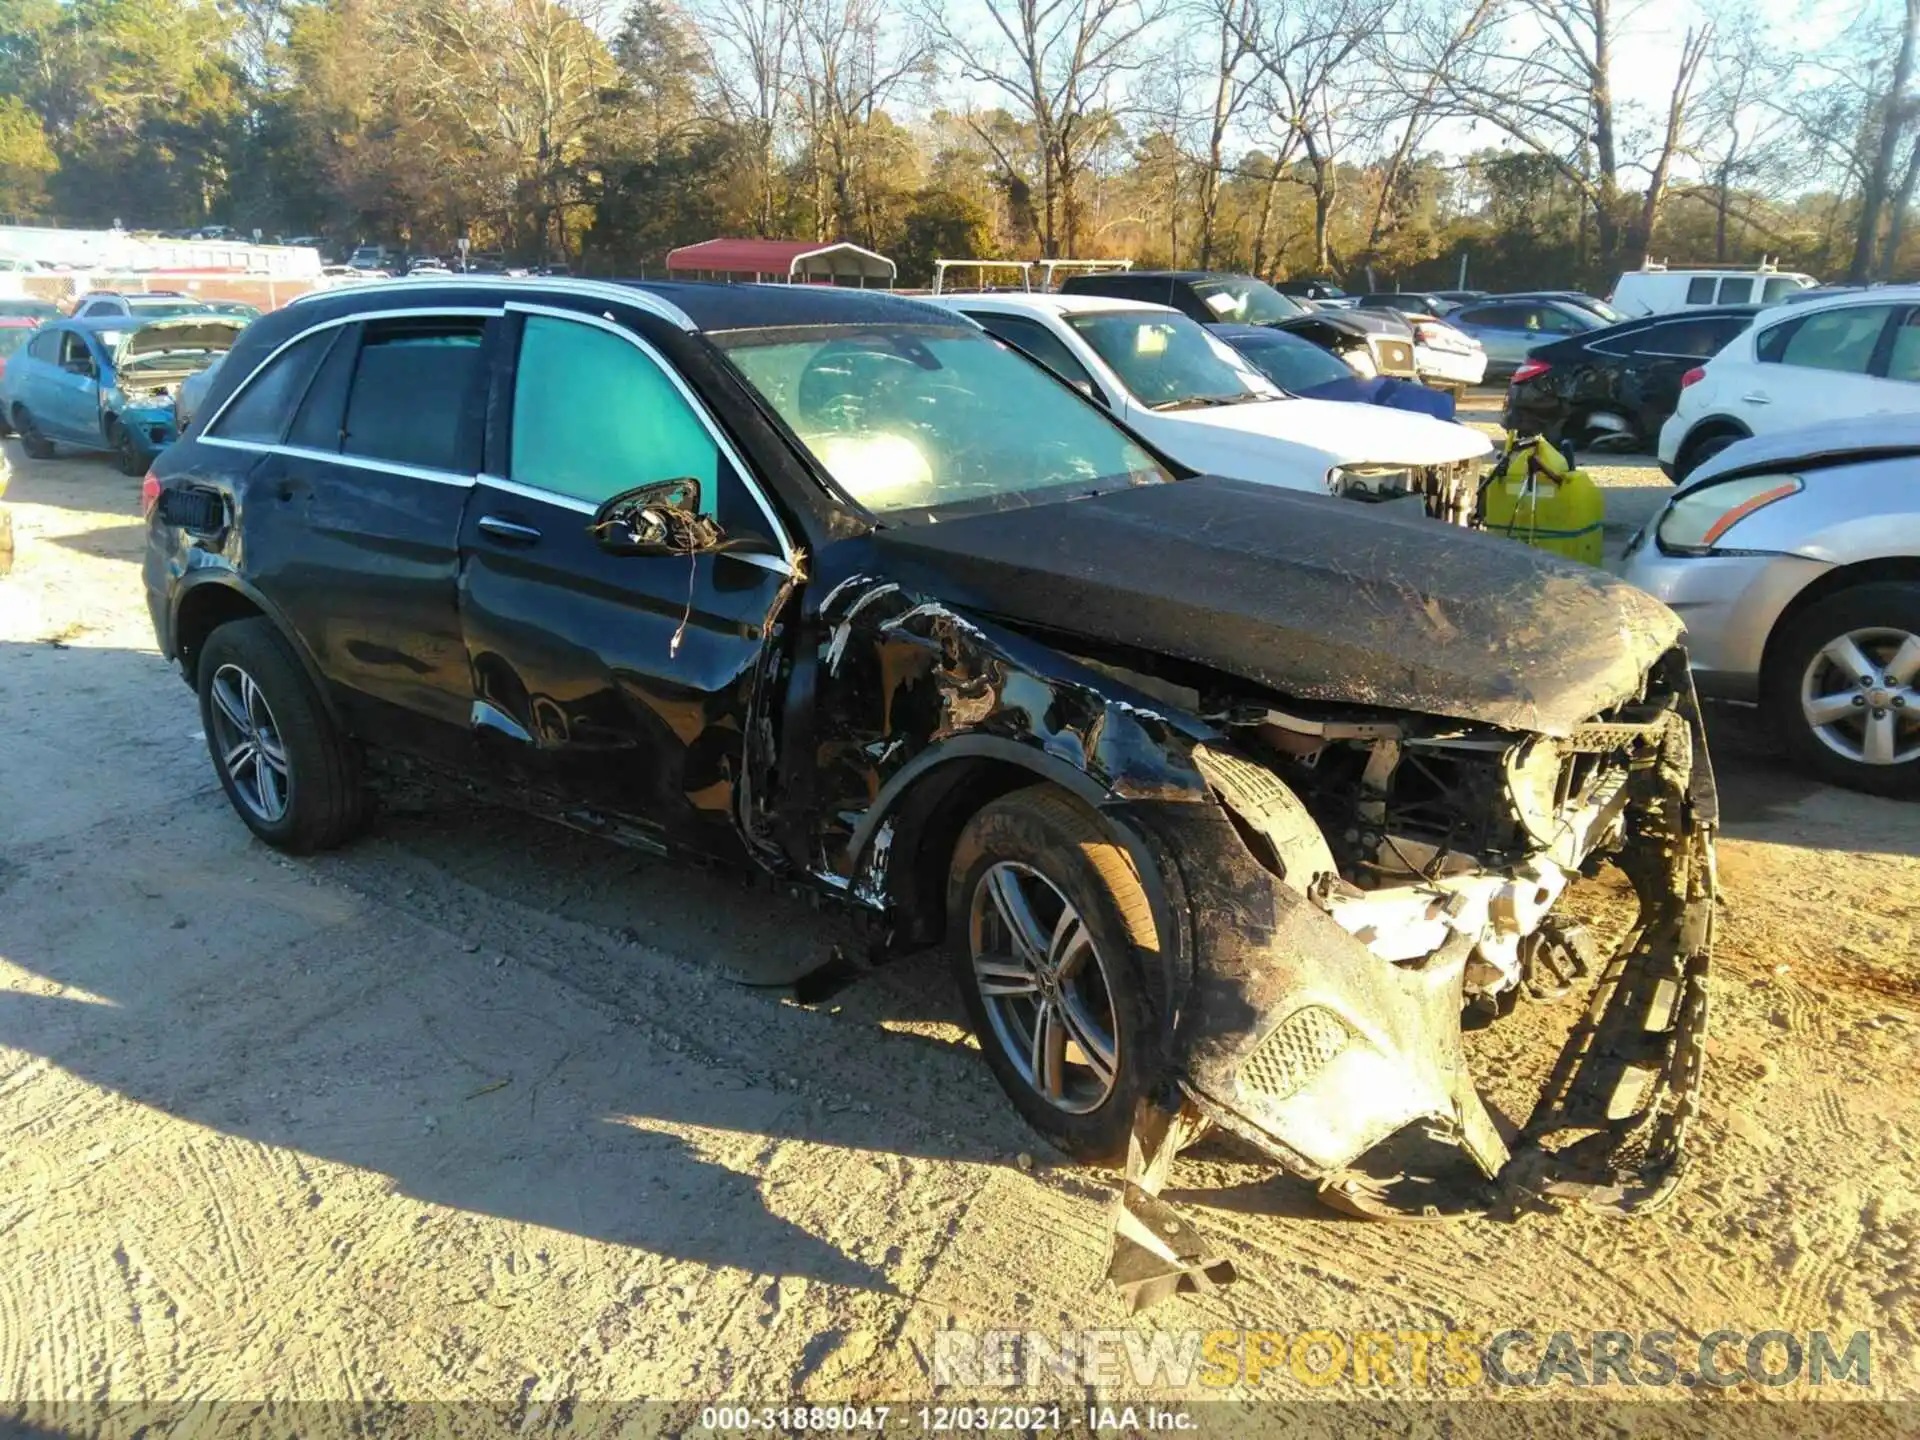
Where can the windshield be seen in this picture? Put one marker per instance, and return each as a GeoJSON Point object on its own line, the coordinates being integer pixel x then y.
{"type": "Point", "coordinates": [1292, 363]}
{"type": "Point", "coordinates": [1600, 307]}
{"type": "Point", "coordinates": [1247, 301]}
{"type": "Point", "coordinates": [1782, 285]}
{"type": "Point", "coordinates": [1168, 361]}
{"type": "Point", "coordinates": [913, 418]}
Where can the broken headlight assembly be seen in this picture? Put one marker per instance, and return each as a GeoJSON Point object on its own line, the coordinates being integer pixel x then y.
{"type": "Point", "coordinates": [1694, 523]}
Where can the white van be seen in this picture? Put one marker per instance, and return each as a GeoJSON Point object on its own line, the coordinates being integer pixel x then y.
{"type": "Point", "coordinates": [1656, 290]}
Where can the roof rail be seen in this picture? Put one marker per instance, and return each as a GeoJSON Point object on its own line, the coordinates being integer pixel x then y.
{"type": "Point", "coordinates": [940, 268]}
{"type": "Point", "coordinates": [1051, 268]}
{"type": "Point", "coordinates": [559, 284]}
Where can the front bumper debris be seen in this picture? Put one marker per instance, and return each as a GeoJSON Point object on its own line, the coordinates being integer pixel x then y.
{"type": "Point", "coordinates": [1351, 1073]}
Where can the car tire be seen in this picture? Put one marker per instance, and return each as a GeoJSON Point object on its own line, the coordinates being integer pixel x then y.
{"type": "Point", "coordinates": [288, 771]}
{"type": "Point", "coordinates": [1697, 449]}
{"type": "Point", "coordinates": [1051, 852]}
{"type": "Point", "coordinates": [1586, 437]}
{"type": "Point", "coordinates": [37, 446]}
{"type": "Point", "coordinates": [127, 453]}
{"type": "Point", "coordinates": [1880, 621]}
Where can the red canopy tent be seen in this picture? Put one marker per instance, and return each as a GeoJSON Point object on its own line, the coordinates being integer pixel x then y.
{"type": "Point", "coordinates": [794, 261]}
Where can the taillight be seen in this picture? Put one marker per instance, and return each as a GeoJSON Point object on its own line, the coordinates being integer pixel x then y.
{"type": "Point", "coordinates": [1530, 370]}
{"type": "Point", "coordinates": [149, 494]}
{"type": "Point", "coordinates": [1693, 376]}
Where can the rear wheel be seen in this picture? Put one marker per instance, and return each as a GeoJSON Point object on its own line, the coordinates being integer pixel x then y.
{"type": "Point", "coordinates": [1050, 934]}
{"type": "Point", "coordinates": [287, 770]}
{"type": "Point", "coordinates": [1604, 430]}
{"type": "Point", "coordinates": [1843, 687]}
{"type": "Point", "coordinates": [1699, 449]}
{"type": "Point", "coordinates": [37, 446]}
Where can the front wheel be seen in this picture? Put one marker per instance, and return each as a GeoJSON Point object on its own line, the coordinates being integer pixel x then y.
{"type": "Point", "coordinates": [288, 771]}
{"type": "Point", "coordinates": [127, 452]}
{"type": "Point", "coordinates": [1841, 687]}
{"type": "Point", "coordinates": [1050, 934]}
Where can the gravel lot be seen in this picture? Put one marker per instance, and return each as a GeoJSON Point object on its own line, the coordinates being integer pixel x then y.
{"type": "Point", "coordinates": [481, 1109]}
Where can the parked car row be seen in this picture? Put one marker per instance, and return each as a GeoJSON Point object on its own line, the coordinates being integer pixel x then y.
{"type": "Point", "coordinates": [839, 587]}
{"type": "Point", "coordinates": [1201, 401]}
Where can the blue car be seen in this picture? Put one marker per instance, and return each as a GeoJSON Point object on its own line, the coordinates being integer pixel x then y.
{"type": "Point", "coordinates": [1303, 368]}
{"type": "Point", "coordinates": [107, 384]}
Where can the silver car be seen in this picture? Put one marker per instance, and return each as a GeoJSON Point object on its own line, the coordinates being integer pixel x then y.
{"type": "Point", "coordinates": [1509, 328]}
{"type": "Point", "coordinates": [1794, 559]}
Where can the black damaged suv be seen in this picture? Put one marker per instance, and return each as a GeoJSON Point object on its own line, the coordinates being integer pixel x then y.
{"type": "Point", "coordinates": [1226, 800]}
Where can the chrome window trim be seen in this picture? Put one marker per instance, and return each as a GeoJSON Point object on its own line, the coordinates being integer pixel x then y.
{"type": "Point", "coordinates": [431, 312]}
{"type": "Point", "coordinates": [590, 289]}
{"type": "Point", "coordinates": [334, 457]}
{"type": "Point", "coordinates": [694, 403]}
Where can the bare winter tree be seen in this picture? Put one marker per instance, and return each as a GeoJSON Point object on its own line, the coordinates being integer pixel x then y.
{"type": "Point", "coordinates": [1888, 127]}
{"type": "Point", "coordinates": [850, 60]}
{"type": "Point", "coordinates": [1311, 56]}
{"type": "Point", "coordinates": [1058, 64]}
{"type": "Point", "coordinates": [1743, 132]}
{"type": "Point", "coordinates": [751, 57]}
{"type": "Point", "coordinates": [1544, 76]}
{"type": "Point", "coordinates": [1415, 62]}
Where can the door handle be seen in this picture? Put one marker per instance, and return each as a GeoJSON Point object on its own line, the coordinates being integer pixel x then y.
{"type": "Point", "coordinates": [507, 530]}
{"type": "Point", "coordinates": [1754, 397]}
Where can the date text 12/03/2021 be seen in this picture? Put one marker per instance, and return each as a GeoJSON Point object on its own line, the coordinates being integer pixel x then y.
{"type": "Point", "coordinates": [943, 1419]}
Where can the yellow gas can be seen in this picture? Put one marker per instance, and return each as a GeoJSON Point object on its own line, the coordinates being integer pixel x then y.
{"type": "Point", "coordinates": [1536, 497]}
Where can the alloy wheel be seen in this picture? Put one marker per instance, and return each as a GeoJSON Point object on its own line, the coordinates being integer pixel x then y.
{"type": "Point", "coordinates": [1858, 695]}
{"type": "Point", "coordinates": [249, 744]}
{"type": "Point", "coordinates": [1045, 987]}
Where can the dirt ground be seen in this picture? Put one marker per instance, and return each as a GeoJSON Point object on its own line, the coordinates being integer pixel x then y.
{"type": "Point", "coordinates": [480, 1109]}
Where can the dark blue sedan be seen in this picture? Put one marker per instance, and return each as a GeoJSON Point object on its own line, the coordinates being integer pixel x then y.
{"type": "Point", "coordinates": [1303, 368]}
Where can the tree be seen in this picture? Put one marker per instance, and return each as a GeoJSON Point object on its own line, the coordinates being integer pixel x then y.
{"type": "Point", "coordinates": [750, 49]}
{"type": "Point", "coordinates": [1308, 55]}
{"type": "Point", "coordinates": [849, 64]}
{"type": "Point", "coordinates": [1890, 120]}
{"type": "Point", "coordinates": [1548, 84]}
{"type": "Point", "coordinates": [1058, 63]}
{"type": "Point", "coordinates": [26, 160]}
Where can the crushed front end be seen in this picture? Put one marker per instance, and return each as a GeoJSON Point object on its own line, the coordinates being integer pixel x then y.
{"type": "Point", "coordinates": [1332, 984]}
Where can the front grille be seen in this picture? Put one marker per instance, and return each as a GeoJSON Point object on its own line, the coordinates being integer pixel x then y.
{"type": "Point", "coordinates": [1393, 357]}
{"type": "Point", "coordinates": [1294, 1051]}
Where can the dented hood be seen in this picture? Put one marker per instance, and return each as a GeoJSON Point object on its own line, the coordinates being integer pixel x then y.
{"type": "Point", "coordinates": [1317, 598]}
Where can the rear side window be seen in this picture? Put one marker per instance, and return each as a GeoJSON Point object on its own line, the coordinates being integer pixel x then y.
{"type": "Point", "coordinates": [410, 391]}
{"type": "Point", "coordinates": [1842, 340]}
{"type": "Point", "coordinates": [1039, 342]}
{"type": "Point", "coordinates": [1700, 290]}
{"type": "Point", "coordinates": [1903, 363]}
{"type": "Point", "coordinates": [593, 416]}
{"type": "Point", "coordinates": [1497, 317]}
{"type": "Point", "coordinates": [261, 411]}
{"type": "Point", "coordinates": [46, 346]}
{"type": "Point", "coordinates": [1695, 339]}
{"type": "Point", "coordinates": [1735, 290]}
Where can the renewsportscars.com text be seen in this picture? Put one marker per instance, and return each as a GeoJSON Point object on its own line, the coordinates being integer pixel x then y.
{"type": "Point", "coordinates": [1399, 1359]}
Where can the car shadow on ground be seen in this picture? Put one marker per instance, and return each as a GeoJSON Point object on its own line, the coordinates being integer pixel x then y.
{"type": "Point", "coordinates": [391, 1007]}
